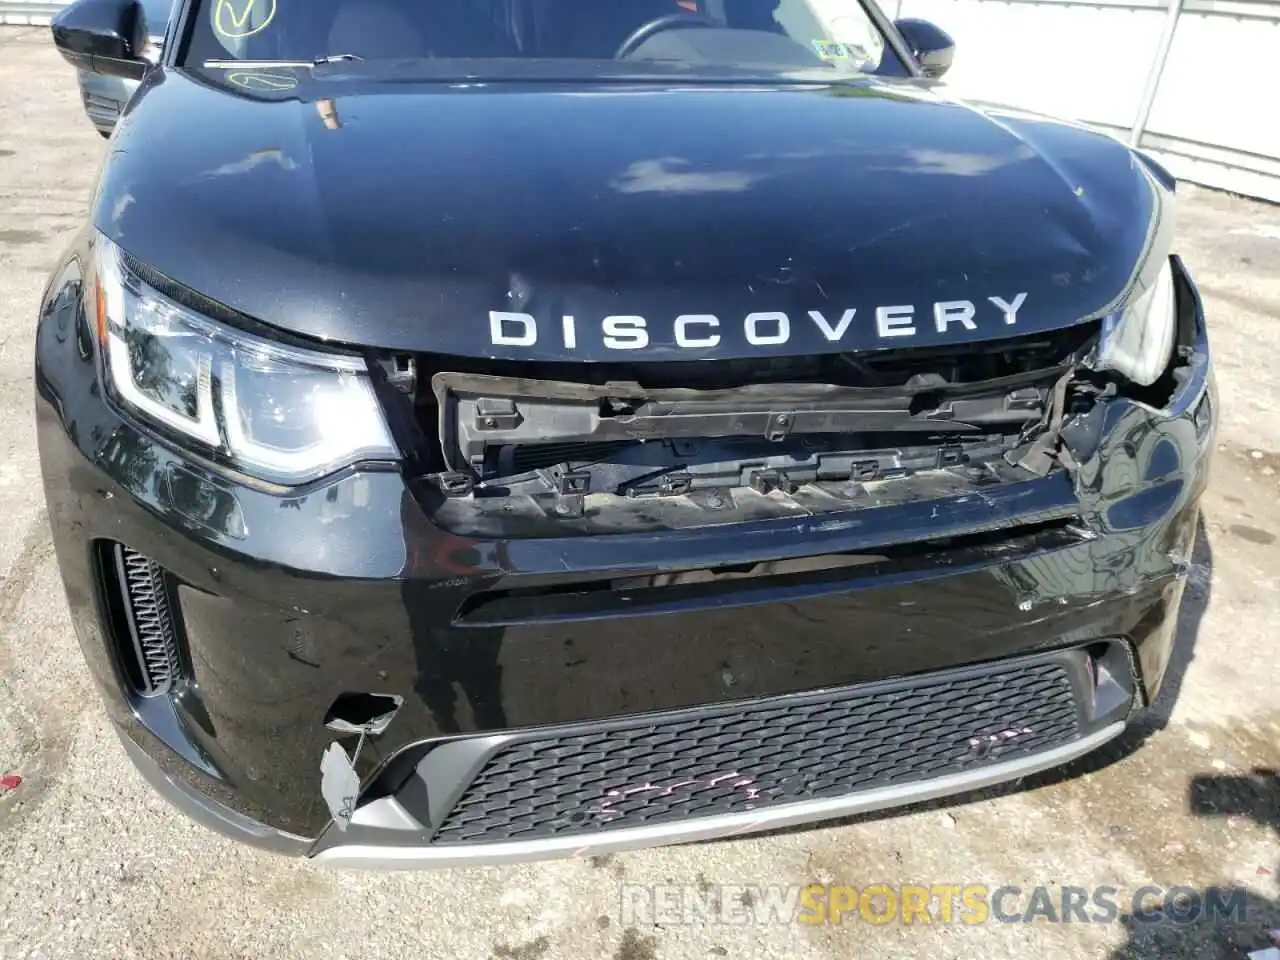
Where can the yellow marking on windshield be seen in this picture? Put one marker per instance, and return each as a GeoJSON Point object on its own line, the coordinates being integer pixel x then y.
{"type": "Point", "coordinates": [831, 49]}
{"type": "Point", "coordinates": [252, 80]}
{"type": "Point", "coordinates": [233, 25]}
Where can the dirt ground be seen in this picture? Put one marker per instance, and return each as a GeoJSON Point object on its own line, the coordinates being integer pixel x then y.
{"type": "Point", "coordinates": [93, 863]}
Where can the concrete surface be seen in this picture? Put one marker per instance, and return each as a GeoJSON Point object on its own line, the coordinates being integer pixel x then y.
{"type": "Point", "coordinates": [92, 863]}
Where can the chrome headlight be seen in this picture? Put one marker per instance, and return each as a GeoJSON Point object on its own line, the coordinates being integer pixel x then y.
{"type": "Point", "coordinates": [1138, 338]}
{"type": "Point", "coordinates": [281, 413]}
{"type": "Point", "coordinates": [1137, 341]}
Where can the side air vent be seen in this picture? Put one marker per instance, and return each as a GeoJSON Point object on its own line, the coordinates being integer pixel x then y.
{"type": "Point", "coordinates": [146, 632]}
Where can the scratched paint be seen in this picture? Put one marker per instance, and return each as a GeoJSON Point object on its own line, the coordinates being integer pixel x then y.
{"type": "Point", "coordinates": [995, 738]}
{"type": "Point", "coordinates": [648, 791]}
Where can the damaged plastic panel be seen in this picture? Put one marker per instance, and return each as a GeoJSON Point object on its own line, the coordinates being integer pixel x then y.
{"type": "Point", "coordinates": [1070, 429]}
{"type": "Point", "coordinates": [614, 447]}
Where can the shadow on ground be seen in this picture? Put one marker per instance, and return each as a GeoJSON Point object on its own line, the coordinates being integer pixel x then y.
{"type": "Point", "coordinates": [1214, 923]}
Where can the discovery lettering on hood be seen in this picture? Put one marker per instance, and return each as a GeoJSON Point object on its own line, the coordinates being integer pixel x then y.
{"type": "Point", "coordinates": [701, 331]}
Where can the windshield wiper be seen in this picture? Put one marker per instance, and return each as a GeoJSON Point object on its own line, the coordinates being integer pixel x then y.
{"type": "Point", "coordinates": [285, 64]}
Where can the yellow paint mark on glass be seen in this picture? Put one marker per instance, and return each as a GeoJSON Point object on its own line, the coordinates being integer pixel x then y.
{"type": "Point", "coordinates": [239, 19]}
{"type": "Point", "coordinates": [270, 82]}
{"type": "Point", "coordinates": [831, 50]}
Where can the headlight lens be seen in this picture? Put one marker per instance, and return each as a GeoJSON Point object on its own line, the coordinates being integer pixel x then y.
{"type": "Point", "coordinates": [281, 413]}
{"type": "Point", "coordinates": [1137, 342]}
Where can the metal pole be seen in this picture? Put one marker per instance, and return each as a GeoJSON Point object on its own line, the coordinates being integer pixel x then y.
{"type": "Point", "coordinates": [1157, 69]}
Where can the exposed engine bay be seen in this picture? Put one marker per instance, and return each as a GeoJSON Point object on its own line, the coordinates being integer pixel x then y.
{"type": "Point", "coordinates": [691, 443]}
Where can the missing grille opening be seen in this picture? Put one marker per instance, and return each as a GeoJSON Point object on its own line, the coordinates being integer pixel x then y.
{"type": "Point", "coordinates": [501, 419]}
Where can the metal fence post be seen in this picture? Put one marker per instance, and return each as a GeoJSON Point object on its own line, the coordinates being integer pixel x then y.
{"type": "Point", "coordinates": [1157, 70]}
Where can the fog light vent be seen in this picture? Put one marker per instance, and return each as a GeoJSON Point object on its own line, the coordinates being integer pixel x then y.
{"type": "Point", "coordinates": [149, 620]}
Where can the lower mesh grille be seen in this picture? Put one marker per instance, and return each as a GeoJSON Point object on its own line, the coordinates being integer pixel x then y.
{"type": "Point", "coordinates": [149, 622]}
{"type": "Point", "coordinates": [781, 750]}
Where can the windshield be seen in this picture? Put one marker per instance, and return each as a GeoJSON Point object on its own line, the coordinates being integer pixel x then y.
{"type": "Point", "coordinates": [838, 35]}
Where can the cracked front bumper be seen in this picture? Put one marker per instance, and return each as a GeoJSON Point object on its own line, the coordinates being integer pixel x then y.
{"type": "Point", "coordinates": [287, 604]}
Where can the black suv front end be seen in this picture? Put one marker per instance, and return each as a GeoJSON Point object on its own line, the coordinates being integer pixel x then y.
{"type": "Point", "coordinates": [827, 647]}
{"type": "Point", "coordinates": [420, 503]}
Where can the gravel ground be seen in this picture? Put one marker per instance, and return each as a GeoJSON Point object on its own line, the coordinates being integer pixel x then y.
{"type": "Point", "coordinates": [92, 863]}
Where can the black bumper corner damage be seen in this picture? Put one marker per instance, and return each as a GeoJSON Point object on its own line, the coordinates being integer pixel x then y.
{"type": "Point", "coordinates": [547, 686]}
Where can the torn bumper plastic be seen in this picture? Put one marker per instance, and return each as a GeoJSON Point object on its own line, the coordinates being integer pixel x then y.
{"type": "Point", "coordinates": [284, 606]}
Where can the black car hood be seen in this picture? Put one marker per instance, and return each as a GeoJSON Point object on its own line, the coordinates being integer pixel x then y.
{"type": "Point", "coordinates": [475, 218]}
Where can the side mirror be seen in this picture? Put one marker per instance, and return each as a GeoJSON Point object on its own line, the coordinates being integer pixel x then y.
{"type": "Point", "coordinates": [103, 36]}
{"type": "Point", "coordinates": [930, 45]}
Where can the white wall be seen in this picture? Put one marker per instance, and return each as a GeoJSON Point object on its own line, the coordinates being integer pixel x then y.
{"type": "Point", "coordinates": [1215, 118]}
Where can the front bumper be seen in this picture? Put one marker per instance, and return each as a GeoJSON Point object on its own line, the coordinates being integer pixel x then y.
{"type": "Point", "coordinates": [288, 605]}
{"type": "Point", "coordinates": [385, 836]}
